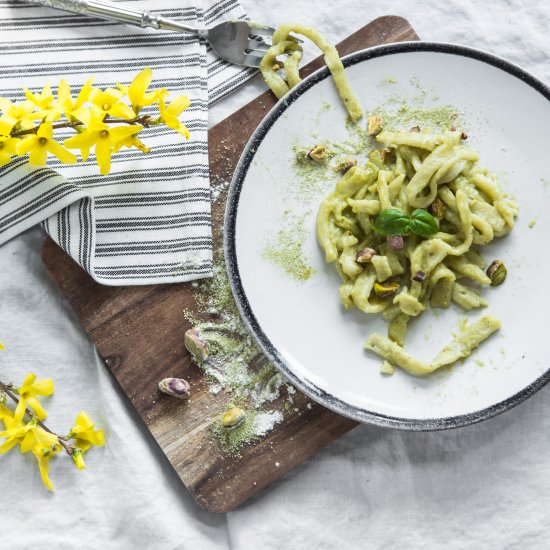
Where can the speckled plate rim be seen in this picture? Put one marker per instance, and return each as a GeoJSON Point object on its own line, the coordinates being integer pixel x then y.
{"type": "Point", "coordinates": [307, 386]}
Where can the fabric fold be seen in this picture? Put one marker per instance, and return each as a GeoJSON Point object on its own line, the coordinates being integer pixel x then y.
{"type": "Point", "coordinates": [148, 221]}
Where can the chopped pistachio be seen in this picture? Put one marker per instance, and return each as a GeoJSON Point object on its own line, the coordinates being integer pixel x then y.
{"type": "Point", "coordinates": [233, 418]}
{"type": "Point", "coordinates": [385, 289]}
{"type": "Point", "coordinates": [395, 242]}
{"type": "Point", "coordinates": [419, 276]}
{"type": "Point", "coordinates": [437, 208]}
{"type": "Point", "coordinates": [463, 135]}
{"type": "Point", "coordinates": [318, 153]}
{"type": "Point", "coordinates": [195, 343]}
{"type": "Point", "coordinates": [365, 255]}
{"type": "Point", "coordinates": [374, 125]}
{"type": "Point", "coordinates": [176, 387]}
{"type": "Point", "coordinates": [415, 129]}
{"type": "Point", "coordinates": [344, 166]}
{"type": "Point", "coordinates": [497, 272]}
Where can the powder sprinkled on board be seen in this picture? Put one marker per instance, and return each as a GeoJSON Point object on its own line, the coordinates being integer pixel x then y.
{"type": "Point", "coordinates": [287, 248]}
{"type": "Point", "coordinates": [234, 368]}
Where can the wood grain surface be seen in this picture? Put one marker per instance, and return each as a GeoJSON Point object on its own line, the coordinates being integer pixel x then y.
{"type": "Point", "coordinates": [139, 331]}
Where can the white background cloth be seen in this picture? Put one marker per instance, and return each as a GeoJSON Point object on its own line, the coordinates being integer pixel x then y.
{"type": "Point", "coordinates": [485, 486]}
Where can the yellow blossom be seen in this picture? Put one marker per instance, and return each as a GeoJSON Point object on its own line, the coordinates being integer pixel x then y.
{"type": "Point", "coordinates": [43, 445]}
{"type": "Point", "coordinates": [169, 114]}
{"type": "Point", "coordinates": [104, 138]}
{"type": "Point", "coordinates": [78, 459]}
{"type": "Point", "coordinates": [137, 91]}
{"type": "Point", "coordinates": [131, 141]}
{"type": "Point", "coordinates": [23, 114]}
{"type": "Point", "coordinates": [15, 430]}
{"type": "Point", "coordinates": [108, 103]}
{"type": "Point", "coordinates": [43, 100]}
{"type": "Point", "coordinates": [7, 151]}
{"type": "Point", "coordinates": [65, 100]}
{"type": "Point", "coordinates": [28, 392]}
{"type": "Point", "coordinates": [42, 143]}
{"type": "Point", "coordinates": [84, 434]}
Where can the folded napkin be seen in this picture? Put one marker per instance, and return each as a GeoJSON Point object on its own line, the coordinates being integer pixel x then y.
{"type": "Point", "coordinates": [148, 221]}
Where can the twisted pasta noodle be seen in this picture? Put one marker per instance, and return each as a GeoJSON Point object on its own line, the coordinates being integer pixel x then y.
{"type": "Point", "coordinates": [282, 45]}
{"type": "Point", "coordinates": [422, 167]}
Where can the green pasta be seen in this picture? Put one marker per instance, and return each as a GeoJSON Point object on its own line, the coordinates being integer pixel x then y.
{"type": "Point", "coordinates": [405, 231]}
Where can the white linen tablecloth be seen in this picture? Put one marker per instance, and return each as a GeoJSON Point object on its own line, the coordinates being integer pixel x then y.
{"type": "Point", "coordinates": [485, 486]}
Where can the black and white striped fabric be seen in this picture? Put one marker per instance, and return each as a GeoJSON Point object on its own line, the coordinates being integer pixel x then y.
{"type": "Point", "coordinates": [148, 221]}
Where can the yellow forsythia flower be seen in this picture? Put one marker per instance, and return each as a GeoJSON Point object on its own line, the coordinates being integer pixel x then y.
{"type": "Point", "coordinates": [28, 392]}
{"type": "Point", "coordinates": [169, 114]}
{"type": "Point", "coordinates": [7, 150]}
{"type": "Point", "coordinates": [12, 114]}
{"type": "Point", "coordinates": [84, 434]}
{"type": "Point", "coordinates": [43, 100]}
{"type": "Point", "coordinates": [43, 445]}
{"type": "Point", "coordinates": [15, 431]}
{"type": "Point", "coordinates": [108, 103]}
{"type": "Point", "coordinates": [104, 138]}
{"type": "Point", "coordinates": [78, 459]}
{"type": "Point", "coordinates": [41, 144]}
{"type": "Point", "coordinates": [137, 91]}
{"type": "Point", "coordinates": [65, 100]}
{"type": "Point", "coordinates": [131, 141]}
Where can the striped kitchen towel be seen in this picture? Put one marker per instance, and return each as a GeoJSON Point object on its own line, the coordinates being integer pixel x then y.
{"type": "Point", "coordinates": [148, 221]}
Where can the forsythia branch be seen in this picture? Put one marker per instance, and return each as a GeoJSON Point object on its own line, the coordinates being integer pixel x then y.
{"type": "Point", "coordinates": [103, 121]}
{"type": "Point", "coordinates": [33, 435]}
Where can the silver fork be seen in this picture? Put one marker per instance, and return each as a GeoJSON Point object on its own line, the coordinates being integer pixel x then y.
{"type": "Point", "coordinates": [238, 42]}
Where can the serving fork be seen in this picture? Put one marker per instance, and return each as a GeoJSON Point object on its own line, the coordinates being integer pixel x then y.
{"type": "Point", "coordinates": [239, 42]}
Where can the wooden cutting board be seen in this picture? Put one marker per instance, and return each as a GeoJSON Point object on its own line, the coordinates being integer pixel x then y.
{"type": "Point", "coordinates": [138, 332]}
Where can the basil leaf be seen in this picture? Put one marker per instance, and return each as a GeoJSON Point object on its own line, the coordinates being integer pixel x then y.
{"type": "Point", "coordinates": [423, 223]}
{"type": "Point", "coordinates": [392, 221]}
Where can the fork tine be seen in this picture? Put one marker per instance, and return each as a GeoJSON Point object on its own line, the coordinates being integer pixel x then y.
{"type": "Point", "coordinates": [252, 61]}
{"type": "Point", "coordinates": [260, 39]}
{"type": "Point", "coordinates": [256, 53]}
{"type": "Point", "coordinates": [261, 31]}
{"type": "Point", "coordinates": [257, 45]}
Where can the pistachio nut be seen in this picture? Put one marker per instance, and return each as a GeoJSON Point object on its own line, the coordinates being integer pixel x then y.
{"type": "Point", "coordinates": [344, 166]}
{"type": "Point", "coordinates": [437, 208]}
{"type": "Point", "coordinates": [318, 153]}
{"type": "Point", "coordinates": [385, 289]}
{"type": "Point", "coordinates": [497, 272]}
{"type": "Point", "coordinates": [196, 345]}
{"type": "Point", "coordinates": [233, 418]}
{"type": "Point", "coordinates": [395, 243]}
{"type": "Point", "coordinates": [176, 387]}
{"type": "Point", "coordinates": [364, 255]}
{"type": "Point", "coordinates": [374, 125]}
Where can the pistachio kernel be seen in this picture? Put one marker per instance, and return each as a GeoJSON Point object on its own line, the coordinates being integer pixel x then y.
{"type": "Point", "coordinates": [176, 387]}
{"type": "Point", "coordinates": [374, 125]}
{"type": "Point", "coordinates": [196, 345]}
{"type": "Point", "coordinates": [385, 289]}
{"type": "Point", "coordinates": [419, 276]}
{"type": "Point", "coordinates": [318, 153]}
{"type": "Point", "coordinates": [415, 129]}
{"type": "Point", "coordinates": [344, 166]}
{"type": "Point", "coordinates": [437, 208]}
{"type": "Point", "coordinates": [497, 272]}
{"type": "Point", "coordinates": [233, 418]}
{"type": "Point", "coordinates": [396, 243]}
{"type": "Point", "coordinates": [365, 255]}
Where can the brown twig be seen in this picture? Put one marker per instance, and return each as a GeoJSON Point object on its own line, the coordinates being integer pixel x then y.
{"type": "Point", "coordinates": [7, 389]}
{"type": "Point", "coordinates": [144, 119]}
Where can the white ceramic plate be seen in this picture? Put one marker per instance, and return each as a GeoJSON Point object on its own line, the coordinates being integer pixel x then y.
{"type": "Point", "coordinates": [302, 326]}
